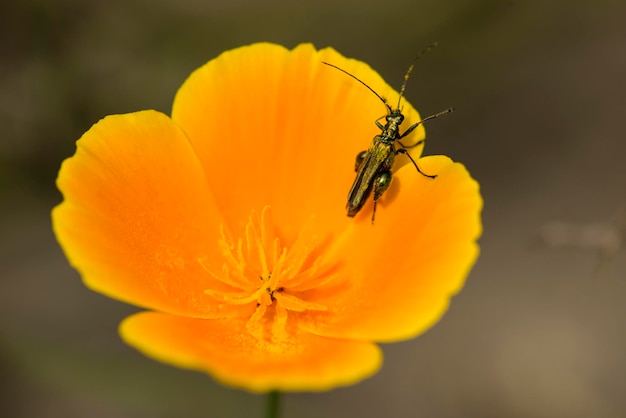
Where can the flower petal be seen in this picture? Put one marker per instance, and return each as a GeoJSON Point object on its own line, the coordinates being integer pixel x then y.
{"type": "Point", "coordinates": [279, 128]}
{"type": "Point", "coordinates": [137, 214]}
{"type": "Point", "coordinates": [402, 270]}
{"type": "Point", "coordinates": [225, 350]}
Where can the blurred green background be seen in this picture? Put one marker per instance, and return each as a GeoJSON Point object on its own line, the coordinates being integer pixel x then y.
{"type": "Point", "coordinates": [540, 92]}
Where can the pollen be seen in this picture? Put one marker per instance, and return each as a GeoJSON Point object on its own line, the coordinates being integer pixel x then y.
{"type": "Point", "coordinates": [267, 278]}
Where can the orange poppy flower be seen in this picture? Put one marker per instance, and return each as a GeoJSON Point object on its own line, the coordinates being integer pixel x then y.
{"type": "Point", "coordinates": [227, 222]}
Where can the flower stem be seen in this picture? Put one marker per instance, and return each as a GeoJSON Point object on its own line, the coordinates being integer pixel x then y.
{"type": "Point", "coordinates": [272, 409]}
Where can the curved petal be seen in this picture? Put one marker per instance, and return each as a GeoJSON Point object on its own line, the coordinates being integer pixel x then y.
{"type": "Point", "coordinates": [138, 214]}
{"type": "Point", "coordinates": [226, 351]}
{"type": "Point", "coordinates": [279, 128]}
{"type": "Point", "coordinates": [402, 271]}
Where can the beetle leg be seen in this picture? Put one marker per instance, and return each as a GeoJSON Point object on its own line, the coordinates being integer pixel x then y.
{"type": "Point", "coordinates": [405, 152]}
{"type": "Point", "coordinates": [381, 184]}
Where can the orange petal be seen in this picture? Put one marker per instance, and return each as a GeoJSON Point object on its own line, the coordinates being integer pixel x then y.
{"type": "Point", "coordinates": [401, 272]}
{"type": "Point", "coordinates": [138, 214]}
{"type": "Point", "coordinates": [279, 128]}
{"type": "Point", "coordinates": [226, 351]}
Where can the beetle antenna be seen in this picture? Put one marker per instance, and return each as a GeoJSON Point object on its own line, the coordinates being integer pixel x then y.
{"type": "Point", "coordinates": [382, 99]}
{"type": "Point", "coordinates": [408, 72]}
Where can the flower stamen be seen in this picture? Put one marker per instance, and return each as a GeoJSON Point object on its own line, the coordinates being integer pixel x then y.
{"type": "Point", "coordinates": [268, 277]}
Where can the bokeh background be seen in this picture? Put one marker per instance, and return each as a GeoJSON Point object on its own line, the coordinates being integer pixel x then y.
{"type": "Point", "coordinates": [540, 92]}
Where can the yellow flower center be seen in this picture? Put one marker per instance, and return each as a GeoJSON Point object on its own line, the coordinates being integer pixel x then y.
{"type": "Point", "coordinates": [266, 278]}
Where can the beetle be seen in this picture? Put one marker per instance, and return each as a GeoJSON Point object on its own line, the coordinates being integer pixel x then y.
{"type": "Point", "coordinates": [373, 166]}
